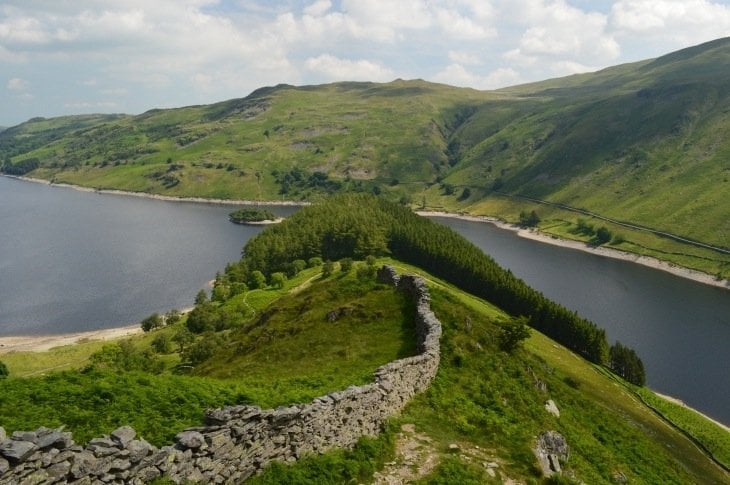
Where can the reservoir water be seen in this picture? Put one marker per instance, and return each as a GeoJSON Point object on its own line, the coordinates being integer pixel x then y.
{"type": "Point", "coordinates": [679, 328]}
{"type": "Point", "coordinates": [73, 261]}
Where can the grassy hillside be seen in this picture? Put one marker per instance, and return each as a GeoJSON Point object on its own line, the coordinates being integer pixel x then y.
{"type": "Point", "coordinates": [485, 405]}
{"type": "Point", "coordinates": [267, 338]}
{"type": "Point", "coordinates": [642, 143]}
{"type": "Point", "coordinates": [288, 353]}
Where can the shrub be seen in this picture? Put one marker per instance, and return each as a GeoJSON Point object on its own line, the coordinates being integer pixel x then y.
{"type": "Point", "coordinates": [257, 280]}
{"type": "Point", "coordinates": [161, 343]}
{"type": "Point", "coordinates": [172, 317]}
{"type": "Point", "coordinates": [513, 334]}
{"type": "Point", "coordinates": [4, 372]}
{"type": "Point", "coordinates": [603, 235]}
{"type": "Point", "coordinates": [327, 269]}
{"type": "Point", "coordinates": [530, 219]}
{"type": "Point", "coordinates": [346, 265]}
{"type": "Point", "coordinates": [203, 349]}
{"type": "Point", "coordinates": [278, 279]}
{"type": "Point", "coordinates": [152, 322]}
{"type": "Point", "coordinates": [299, 265]}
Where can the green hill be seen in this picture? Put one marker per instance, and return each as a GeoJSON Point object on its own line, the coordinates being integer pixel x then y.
{"type": "Point", "coordinates": [276, 344]}
{"type": "Point", "coordinates": [640, 143]}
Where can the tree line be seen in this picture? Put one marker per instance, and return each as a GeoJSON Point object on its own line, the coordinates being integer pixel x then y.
{"type": "Point", "coordinates": [358, 225]}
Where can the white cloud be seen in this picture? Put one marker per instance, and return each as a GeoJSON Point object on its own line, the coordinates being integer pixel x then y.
{"type": "Point", "coordinates": [85, 105]}
{"type": "Point", "coordinates": [318, 8]}
{"type": "Point", "coordinates": [566, 68]}
{"type": "Point", "coordinates": [385, 20]}
{"type": "Point", "coordinates": [459, 26]}
{"type": "Point", "coordinates": [464, 58]}
{"type": "Point", "coordinates": [177, 52]}
{"type": "Point", "coordinates": [555, 28]}
{"type": "Point", "coordinates": [502, 77]}
{"type": "Point", "coordinates": [336, 69]}
{"type": "Point", "coordinates": [675, 22]}
{"type": "Point", "coordinates": [458, 75]}
{"type": "Point", "coordinates": [114, 92]}
{"type": "Point", "coordinates": [17, 84]}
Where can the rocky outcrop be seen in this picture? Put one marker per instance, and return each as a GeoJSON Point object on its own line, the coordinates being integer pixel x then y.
{"type": "Point", "coordinates": [551, 449]}
{"type": "Point", "coordinates": [236, 441]}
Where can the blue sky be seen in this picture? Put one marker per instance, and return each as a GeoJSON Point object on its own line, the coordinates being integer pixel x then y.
{"type": "Point", "coordinates": [128, 56]}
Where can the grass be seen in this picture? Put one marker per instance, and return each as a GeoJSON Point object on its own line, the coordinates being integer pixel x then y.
{"type": "Point", "coordinates": [562, 224]}
{"type": "Point", "coordinates": [296, 346]}
{"type": "Point", "coordinates": [67, 357]}
{"type": "Point", "coordinates": [487, 400]}
{"type": "Point", "coordinates": [482, 398]}
{"type": "Point", "coordinates": [642, 143]}
{"type": "Point", "coordinates": [280, 369]}
{"type": "Point", "coordinates": [713, 437]}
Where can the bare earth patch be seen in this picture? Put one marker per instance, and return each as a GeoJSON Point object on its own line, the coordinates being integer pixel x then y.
{"type": "Point", "coordinates": [415, 458]}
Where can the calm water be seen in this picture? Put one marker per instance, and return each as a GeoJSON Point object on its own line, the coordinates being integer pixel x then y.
{"type": "Point", "coordinates": [74, 261]}
{"type": "Point", "coordinates": [681, 329]}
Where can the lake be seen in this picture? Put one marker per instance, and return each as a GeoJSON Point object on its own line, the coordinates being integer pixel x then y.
{"type": "Point", "coordinates": [74, 261]}
{"type": "Point", "coordinates": [679, 328]}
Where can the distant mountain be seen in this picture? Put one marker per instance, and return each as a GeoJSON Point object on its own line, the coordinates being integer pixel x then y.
{"type": "Point", "coordinates": [644, 142]}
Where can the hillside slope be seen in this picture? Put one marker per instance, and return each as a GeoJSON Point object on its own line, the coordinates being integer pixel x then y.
{"type": "Point", "coordinates": [643, 143]}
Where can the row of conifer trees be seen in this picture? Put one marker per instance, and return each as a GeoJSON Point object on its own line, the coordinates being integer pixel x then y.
{"type": "Point", "coordinates": [358, 225]}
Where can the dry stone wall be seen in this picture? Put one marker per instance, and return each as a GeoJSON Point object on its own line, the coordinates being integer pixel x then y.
{"type": "Point", "coordinates": [237, 441]}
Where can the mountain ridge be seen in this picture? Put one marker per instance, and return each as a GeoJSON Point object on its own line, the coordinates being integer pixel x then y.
{"type": "Point", "coordinates": [641, 142]}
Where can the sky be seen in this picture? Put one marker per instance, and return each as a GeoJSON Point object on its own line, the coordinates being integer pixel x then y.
{"type": "Point", "coordinates": [60, 57]}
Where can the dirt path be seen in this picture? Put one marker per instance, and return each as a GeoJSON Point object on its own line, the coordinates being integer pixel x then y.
{"type": "Point", "coordinates": [415, 458]}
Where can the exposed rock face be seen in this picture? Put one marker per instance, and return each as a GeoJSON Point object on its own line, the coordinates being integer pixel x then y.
{"type": "Point", "coordinates": [550, 450]}
{"type": "Point", "coordinates": [237, 441]}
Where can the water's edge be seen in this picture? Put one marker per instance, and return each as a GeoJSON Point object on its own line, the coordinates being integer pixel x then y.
{"type": "Point", "coordinates": [536, 235]}
{"type": "Point", "coordinates": [651, 262]}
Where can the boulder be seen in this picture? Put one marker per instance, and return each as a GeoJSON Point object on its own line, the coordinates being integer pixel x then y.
{"type": "Point", "coordinates": [59, 470]}
{"type": "Point", "coordinates": [139, 449]}
{"type": "Point", "coordinates": [16, 450]}
{"type": "Point", "coordinates": [122, 436]}
{"type": "Point", "coordinates": [552, 408]}
{"type": "Point", "coordinates": [54, 438]}
{"type": "Point", "coordinates": [550, 449]}
{"type": "Point", "coordinates": [83, 465]}
{"type": "Point", "coordinates": [190, 439]}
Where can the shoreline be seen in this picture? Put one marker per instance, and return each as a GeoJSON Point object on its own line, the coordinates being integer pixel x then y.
{"type": "Point", "coordinates": [166, 198]}
{"type": "Point", "coordinates": [42, 343]}
{"type": "Point", "coordinates": [679, 402]}
{"type": "Point", "coordinates": [266, 222]}
{"type": "Point", "coordinates": [648, 261]}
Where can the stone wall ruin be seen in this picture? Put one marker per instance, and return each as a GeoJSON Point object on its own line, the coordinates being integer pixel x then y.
{"type": "Point", "coordinates": [236, 441]}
